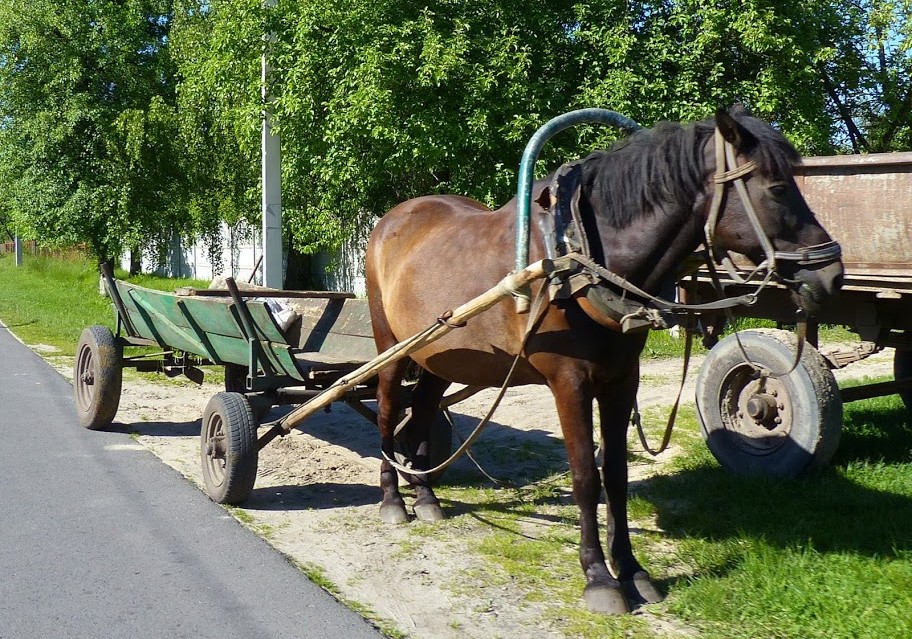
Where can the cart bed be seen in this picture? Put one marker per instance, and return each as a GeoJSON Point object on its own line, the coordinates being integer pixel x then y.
{"type": "Point", "coordinates": [327, 334]}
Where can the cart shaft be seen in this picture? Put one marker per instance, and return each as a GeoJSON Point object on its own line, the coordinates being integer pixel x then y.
{"type": "Point", "coordinates": [458, 317]}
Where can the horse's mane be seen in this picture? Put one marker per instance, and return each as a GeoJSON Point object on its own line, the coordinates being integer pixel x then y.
{"type": "Point", "coordinates": [664, 168]}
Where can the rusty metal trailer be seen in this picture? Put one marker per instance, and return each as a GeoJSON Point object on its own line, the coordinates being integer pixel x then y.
{"type": "Point", "coordinates": [785, 425]}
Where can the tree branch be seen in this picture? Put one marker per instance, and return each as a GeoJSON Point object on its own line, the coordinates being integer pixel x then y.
{"type": "Point", "coordinates": [855, 135]}
{"type": "Point", "coordinates": [900, 118]}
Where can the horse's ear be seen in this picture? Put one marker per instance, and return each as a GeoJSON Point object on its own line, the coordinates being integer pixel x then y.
{"type": "Point", "coordinates": [739, 109]}
{"type": "Point", "coordinates": [734, 132]}
{"type": "Point", "coordinates": [543, 198]}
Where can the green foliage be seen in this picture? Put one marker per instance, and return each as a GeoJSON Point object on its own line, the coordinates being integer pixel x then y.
{"type": "Point", "coordinates": [122, 122]}
{"type": "Point", "coordinates": [87, 108]}
{"type": "Point", "coordinates": [380, 102]}
{"type": "Point", "coordinates": [216, 47]}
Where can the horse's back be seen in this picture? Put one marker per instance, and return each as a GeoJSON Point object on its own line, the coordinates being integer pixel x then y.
{"type": "Point", "coordinates": [431, 254]}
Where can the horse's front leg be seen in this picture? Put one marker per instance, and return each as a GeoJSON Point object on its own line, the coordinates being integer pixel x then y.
{"type": "Point", "coordinates": [615, 406]}
{"type": "Point", "coordinates": [389, 400]}
{"type": "Point", "coordinates": [603, 593]}
{"type": "Point", "coordinates": [425, 404]}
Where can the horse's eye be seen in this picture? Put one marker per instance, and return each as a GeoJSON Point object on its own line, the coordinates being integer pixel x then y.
{"type": "Point", "coordinates": [778, 191]}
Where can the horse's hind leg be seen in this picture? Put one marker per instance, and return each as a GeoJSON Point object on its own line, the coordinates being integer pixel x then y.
{"type": "Point", "coordinates": [615, 407]}
{"type": "Point", "coordinates": [389, 401]}
{"type": "Point", "coordinates": [425, 404]}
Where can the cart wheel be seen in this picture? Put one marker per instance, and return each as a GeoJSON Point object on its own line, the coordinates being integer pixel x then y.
{"type": "Point", "coordinates": [236, 382]}
{"type": "Point", "coordinates": [228, 448]}
{"type": "Point", "coordinates": [902, 369]}
{"type": "Point", "coordinates": [775, 426]}
{"type": "Point", "coordinates": [97, 377]}
{"type": "Point", "coordinates": [441, 445]}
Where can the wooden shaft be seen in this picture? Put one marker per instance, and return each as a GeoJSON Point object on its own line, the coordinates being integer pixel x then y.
{"type": "Point", "coordinates": [506, 287]}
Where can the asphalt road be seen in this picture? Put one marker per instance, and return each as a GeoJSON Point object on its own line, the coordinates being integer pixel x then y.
{"type": "Point", "coordinates": [99, 539]}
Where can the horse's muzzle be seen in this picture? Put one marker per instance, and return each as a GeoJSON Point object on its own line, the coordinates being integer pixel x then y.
{"type": "Point", "coordinates": [814, 285]}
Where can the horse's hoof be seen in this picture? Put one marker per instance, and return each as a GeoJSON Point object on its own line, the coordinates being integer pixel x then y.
{"type": "Point", "coordinates": [393, 514]}
{"type": "Point", "coordinates": [607, 600]}
{"type": "Point", "coordinates": [429, 512]}
{"type": "Point", "coordinates": [640, 589]}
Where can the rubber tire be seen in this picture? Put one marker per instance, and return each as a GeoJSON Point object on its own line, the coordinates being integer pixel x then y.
{"type": "Point", "coordinates": [229, 473]}
{"type": "Point", "coordinates": [810, 393]}
{"type": "Point", "coordinates": [902, 369]}
{"type": "Point", "coordinates": [99, 357]}
{"type": "Point", "coordinates": [236, 382]}
{"type": "Point", "coordinates": [441, 445]}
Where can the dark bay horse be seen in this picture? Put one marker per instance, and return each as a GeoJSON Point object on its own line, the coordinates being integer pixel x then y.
{"type": "Point", "coordinates": [644, 205]}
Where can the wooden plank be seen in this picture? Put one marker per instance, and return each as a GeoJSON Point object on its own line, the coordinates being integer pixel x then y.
{"type": "Point", "coordinates": [201, 316]}
{"type": "Point", "coordinates": [341, 347]}
{"type": "Point", "coordinates": [206, 327]}
{"type": "Point", "coordinates": [827, 163]}
{"type": "Point", "coordinates": [265, 292]}
{"type": "Point", "coordinates": [336, 328]}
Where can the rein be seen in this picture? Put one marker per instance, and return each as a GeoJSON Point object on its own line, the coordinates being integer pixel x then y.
{"type": "Point", "coordinates": [538, 312]}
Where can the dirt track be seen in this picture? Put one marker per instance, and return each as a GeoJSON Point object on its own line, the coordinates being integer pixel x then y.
{"type": "Point", "coordinates": [316, 500]}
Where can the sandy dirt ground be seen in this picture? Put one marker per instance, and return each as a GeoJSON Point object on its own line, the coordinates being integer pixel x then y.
{"type": "Point", "coordinates": [316, 500]}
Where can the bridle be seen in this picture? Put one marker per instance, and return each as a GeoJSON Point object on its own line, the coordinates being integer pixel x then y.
{"type": "Point", "coordinates": [728, 171]}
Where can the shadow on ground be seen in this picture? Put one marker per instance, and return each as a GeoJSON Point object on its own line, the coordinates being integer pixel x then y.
{"type": "Point", "coordinates": [862, 504]}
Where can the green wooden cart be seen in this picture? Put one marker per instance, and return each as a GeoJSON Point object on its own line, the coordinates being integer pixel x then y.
{"type": "Point", "coordinates": [325, 336]}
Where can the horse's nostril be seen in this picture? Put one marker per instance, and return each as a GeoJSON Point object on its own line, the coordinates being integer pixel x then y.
{"type": "Point", "coordinates": [837, 282]}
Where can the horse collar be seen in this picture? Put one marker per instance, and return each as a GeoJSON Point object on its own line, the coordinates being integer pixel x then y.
{"type": "Point", "coordinates": [609, 305]}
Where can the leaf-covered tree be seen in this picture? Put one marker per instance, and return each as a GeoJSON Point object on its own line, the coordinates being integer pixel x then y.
{"type": "Point", "coordinates": [119, 120]}
{"type": "Point", "coordinates": [216, 47]}
{"type": "Point", "coordinates": [87, 111]}
{"type": "Point", "coordinates": [380, 101]}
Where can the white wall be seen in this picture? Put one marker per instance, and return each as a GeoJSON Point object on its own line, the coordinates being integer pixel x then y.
{"type": "Point", "coordinates": [241, 248]}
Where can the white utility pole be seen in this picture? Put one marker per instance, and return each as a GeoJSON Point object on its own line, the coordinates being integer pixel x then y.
{"type": "Point", "coordinates": [17, 247]}
{"type": "Point", "coordinates": [272, 184]}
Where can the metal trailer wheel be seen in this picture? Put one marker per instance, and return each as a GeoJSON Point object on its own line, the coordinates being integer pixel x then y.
{"type": "Point", "coordinates": [775, 426]}
{"type": "Point", "coordinates": [440, 442]}
{"type": "Point", "coordinates": [97, 377]}
{"type": "Point", "coordinates": [228, 448]}
{"type": "Point", "coordinates": [902, 369]}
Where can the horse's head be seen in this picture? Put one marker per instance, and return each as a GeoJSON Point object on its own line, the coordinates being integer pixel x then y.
{"type": "Point", "coordinates": [758, 211]}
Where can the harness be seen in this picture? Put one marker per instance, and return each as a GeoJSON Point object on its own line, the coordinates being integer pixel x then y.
{"type": "Point", "coordinates": [633, 309]}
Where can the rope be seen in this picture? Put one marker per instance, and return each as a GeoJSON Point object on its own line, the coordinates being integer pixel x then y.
{"type": "Point", "coordinates": [534, 317]}
{"type": "Point", "coordinates": [669, 426]}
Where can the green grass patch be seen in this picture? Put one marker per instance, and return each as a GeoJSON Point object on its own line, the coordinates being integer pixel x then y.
{"type": "Point", "coordinates": [51, 300]}
{"type": "Point", "coordinates": [826, 556]}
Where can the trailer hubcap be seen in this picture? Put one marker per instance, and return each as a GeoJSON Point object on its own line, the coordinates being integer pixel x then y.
{"type": "Point", "coordinates": [757, 409]}
{"type": "Point", "coordinates": [214, 450]}
{"type": "Point", "coordinates": [85, 390]}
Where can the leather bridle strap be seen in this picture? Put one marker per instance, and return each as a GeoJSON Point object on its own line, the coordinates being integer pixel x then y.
{"type": "Point", "coordinates": [727, 170]}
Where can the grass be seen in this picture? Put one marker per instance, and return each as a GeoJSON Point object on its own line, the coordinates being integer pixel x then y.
{"type": "Point", "coordinates": [50, 301]}
{"type": "Point", "coordinates": [827, 556]}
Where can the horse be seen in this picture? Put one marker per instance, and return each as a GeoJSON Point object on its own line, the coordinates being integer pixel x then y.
{"type": "Point", "coordinates": [644, 204]}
